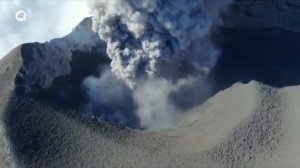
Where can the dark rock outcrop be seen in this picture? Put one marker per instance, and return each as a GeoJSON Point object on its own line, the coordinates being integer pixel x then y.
{"type": "Point", "coordinates": [264, 13]}
{"type": "Point", "coordinates": [44, 62]}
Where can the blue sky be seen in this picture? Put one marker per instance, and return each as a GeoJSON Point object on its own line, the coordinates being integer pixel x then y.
{"type": "Point", "coordinates": [46, 19]}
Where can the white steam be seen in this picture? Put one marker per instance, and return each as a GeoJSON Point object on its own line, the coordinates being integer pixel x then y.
{"type": "Point", "coordinates": [155, 109]}
{"type": "Point", "coordinates": [151, 38]}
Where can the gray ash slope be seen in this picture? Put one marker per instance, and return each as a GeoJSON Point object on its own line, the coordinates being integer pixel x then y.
{"type": "Point", "coordinates": [241, 126]}
{"type": "Point", "coordinates": [51, 137]}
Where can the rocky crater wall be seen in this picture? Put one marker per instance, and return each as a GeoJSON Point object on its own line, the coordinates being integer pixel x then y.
{"type": "Point", "coordinates": [264, 13]}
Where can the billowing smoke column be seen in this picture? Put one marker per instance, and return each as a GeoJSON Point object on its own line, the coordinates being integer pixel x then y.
{"type": "Point", "coordinates": [162, 51]}
{"type": "Point", "coordinates": [148, 39]}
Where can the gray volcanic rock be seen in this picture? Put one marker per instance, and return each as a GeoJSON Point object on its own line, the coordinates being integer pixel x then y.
{"type": "Point", "coordinates": [264, 13]}
{"type": "Point", "coordinates": [38, 57]}
{"type": "Point", "coordinates": [43, 62]}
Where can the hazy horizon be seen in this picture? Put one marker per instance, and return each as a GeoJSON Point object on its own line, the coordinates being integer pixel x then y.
{"type": "Point", "coordinates": [45, 20]}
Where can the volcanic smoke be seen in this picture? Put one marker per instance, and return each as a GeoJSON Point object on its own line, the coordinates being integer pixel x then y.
{"type": "Point", "coordinates": [160, 45]}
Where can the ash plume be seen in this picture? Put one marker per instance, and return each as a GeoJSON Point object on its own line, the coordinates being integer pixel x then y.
{"type": "Point", "coordinates": [149, 39]}
{"type": "Point", "coordinates": [157, 48]}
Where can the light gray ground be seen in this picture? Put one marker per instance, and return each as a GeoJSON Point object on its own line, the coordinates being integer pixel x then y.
{"type": "Point", "coordinates": [9, 66]}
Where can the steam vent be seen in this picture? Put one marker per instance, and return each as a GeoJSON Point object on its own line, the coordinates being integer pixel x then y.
{"type": "Point", "coordinates": [158, 84]}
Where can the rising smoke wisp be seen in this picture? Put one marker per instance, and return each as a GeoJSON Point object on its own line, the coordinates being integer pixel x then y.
{"type": "Point", "coordinates": [156, 47]}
